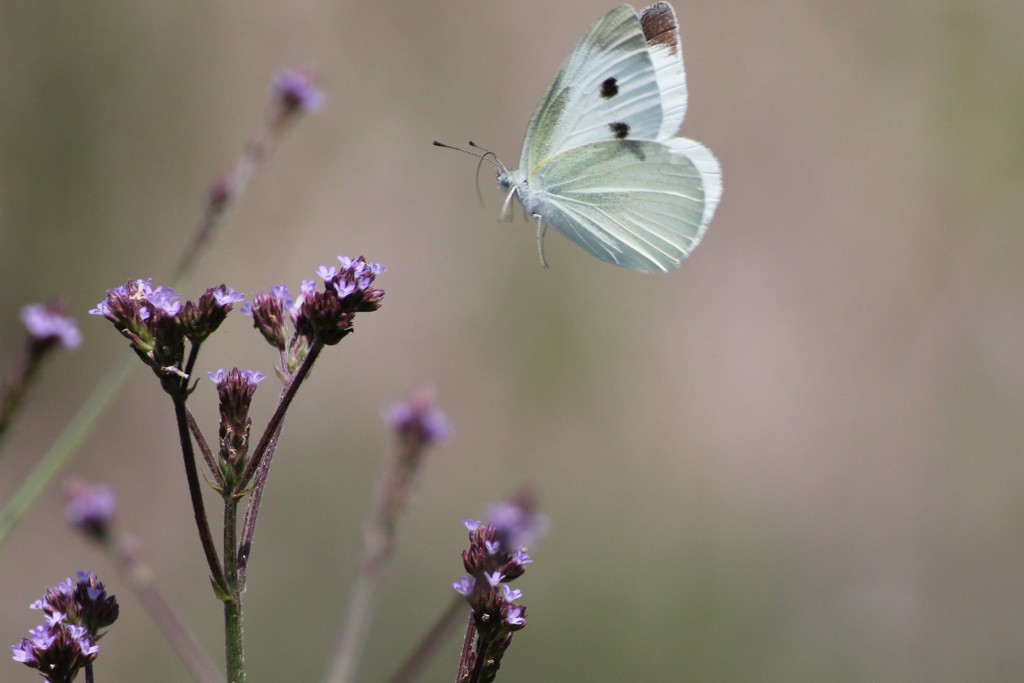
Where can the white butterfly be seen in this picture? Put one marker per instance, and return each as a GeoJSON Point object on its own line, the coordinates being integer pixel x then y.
{"type": "Point", "coordinates": [601, 163]}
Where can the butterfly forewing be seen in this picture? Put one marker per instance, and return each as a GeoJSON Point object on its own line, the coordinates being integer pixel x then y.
{"type": "Point", "coordinates": [637, 204]}
{"type": "Point", "coordinates": [606, 90]}
{"type": "Point", "coordinates": [661, 32]}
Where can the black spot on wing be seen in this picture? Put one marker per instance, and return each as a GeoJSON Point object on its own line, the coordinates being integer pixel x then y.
{"type": "Point", "coordinates": [619, 129]}
{"type": "Point", "coordinates": [609, 87]}
{"type": "Point", "coordinates": [635, 149]}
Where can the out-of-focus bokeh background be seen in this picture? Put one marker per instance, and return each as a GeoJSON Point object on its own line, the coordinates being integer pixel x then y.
{"type": "Point", "coordinates": [797, 458]}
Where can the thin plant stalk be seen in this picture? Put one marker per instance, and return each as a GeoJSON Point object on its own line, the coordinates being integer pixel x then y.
{"type": "Point", "coordinates": [417, 424]}
{"type": "Point", "coordinates": [417, 660]}
{"type": "Point", "coordinates": [362, 603]}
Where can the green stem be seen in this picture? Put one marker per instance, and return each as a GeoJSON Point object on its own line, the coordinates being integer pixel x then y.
{"type": "Point", "coordinates": [234, 646]}
{"type": "Point", "coordinates": [233, 640]}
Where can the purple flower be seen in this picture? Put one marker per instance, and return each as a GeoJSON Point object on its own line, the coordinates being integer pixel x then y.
{"type": "Point", "coordinates": [496, 617]}
{"type": "Point", "coordinates": [158, 324]}
{"type": "Point", "coordinates": [225, 296]}
{"type": "Point", "coordinates": [201, 318]}
{"type": "Point", "coordinates": [321, 314]}
{"type": "Point", "coordinates": [90, 509]}
{"type": "Point", "coordinates": [271, 315]}
{"type": "Point", "coordinates": [326, 272]}
{"type": "Point", "coordinates": [344, 288]}
{"type": "Point", "coordinates": [517, 521]}
{"type": "Point", "coordinates": [511, 594]}
{"type": "Point", "coordinates": [54, 618]}
{"type": "Point", "coordinates": [47, 324]}
{"type": "Point", "coordinates": [295, 90]}
{"type": "Point", "coordinates": [327, 315]}
{"type": "Point", "coordinates": [165, 300]}
{"type": "Point", "coordinates": [520, 557]}
{"type": "Point", "coordinates": [74, 612]}
{"type": "Point", "coordinates": [307, 288]}
{"type": "Point", "coordinates": [418, 421]}
{"type": "Point", "coordinates": [235, 389]}
{"type": "Point", "coordinates": [248, 376]}
{"type": "Point", "coordinates": [516, 617]}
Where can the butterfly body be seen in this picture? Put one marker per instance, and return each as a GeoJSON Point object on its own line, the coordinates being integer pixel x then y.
{"type": "Point", "coordinates": [600, 164]}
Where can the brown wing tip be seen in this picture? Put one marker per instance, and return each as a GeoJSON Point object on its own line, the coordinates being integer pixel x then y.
{"type": "Point", "coordinates": [660, 26]}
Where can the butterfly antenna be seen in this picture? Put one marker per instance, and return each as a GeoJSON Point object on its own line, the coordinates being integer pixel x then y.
{"type": "Point", "coordinates": [490, 156]}
{"type": "Point", "coordinates": [487, 155]}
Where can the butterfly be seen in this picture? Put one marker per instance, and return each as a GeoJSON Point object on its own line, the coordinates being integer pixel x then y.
{"type": "Point", "coordinates": [600, 161]}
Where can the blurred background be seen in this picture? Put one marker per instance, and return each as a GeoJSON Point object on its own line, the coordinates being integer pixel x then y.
{"type": "Point", "coordinates": [797, 458]}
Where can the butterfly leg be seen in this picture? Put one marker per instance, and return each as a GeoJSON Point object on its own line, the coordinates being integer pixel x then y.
{"type": "Point", "coordinates": [506, 207]}
{"type": "Point", "coordinates": [541, 231]}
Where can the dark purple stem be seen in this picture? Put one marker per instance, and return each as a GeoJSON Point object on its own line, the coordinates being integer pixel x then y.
{"type": "Point", "coordinates": [204, 447]}
{"type": "Point", "coordinates": [17, 381]}
{"type": "Point", "coordinates": [467, 648]}
{"type": "Point", "coordinates": [196, 494]}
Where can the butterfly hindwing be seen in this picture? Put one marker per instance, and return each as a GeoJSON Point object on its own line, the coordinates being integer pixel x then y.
{"type": "Point", "coordinates": [634, 203]}
{"type": "Point", "coordinates": [607, 89]}
{"type": "Point", "coordinates": [708, 167]}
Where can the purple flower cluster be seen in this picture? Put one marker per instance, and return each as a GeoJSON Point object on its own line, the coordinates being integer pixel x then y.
{"type": "Point", "coordinates": [74, 611]}
{"type": "Point", "coordinates": [517, 521]}
{"type": "Point", "coordinates": [418, 421]}
{"type": "Point", "coordinates": [158, 324]}
{"type": "Point", "coordinates": [496, 613]}
{"type": "Point", "coordinates": [321, 314]}
{"type": "Point", "coordinates": [235, 389]}
{"type": "Point", "coordinates": [91, 508]}
{"type": "Point", "coordinates": [47, 325]}
{"type": "Point", "coordinates": [295, 90]}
